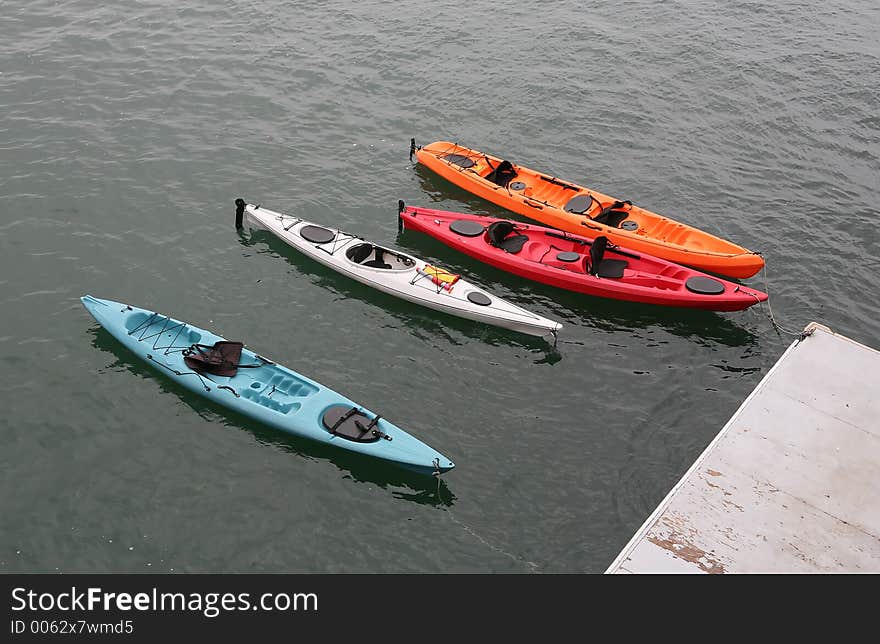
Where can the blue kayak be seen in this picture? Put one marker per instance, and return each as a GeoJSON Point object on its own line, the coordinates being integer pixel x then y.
{"type": "Point", "coordinates": [235, 377]}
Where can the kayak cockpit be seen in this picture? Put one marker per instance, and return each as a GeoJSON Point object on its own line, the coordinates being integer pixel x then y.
{"type": "Point", "coordinates": [372, 256]}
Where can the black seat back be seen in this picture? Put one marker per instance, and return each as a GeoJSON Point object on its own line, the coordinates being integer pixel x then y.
{"type": "Point", "coordinates": [497, 231]}
{"type": "Point", "coordinates": [219, 359]}
{"type": "Point", "coordinates": [379, 261]}
{"type": "Point", "coordinates": [503, 174]}
{"type": "Point", "coordinates": [612, 215]}
{"type": "Point", "coordinates": [498, 234]}
{"type": "Point", "coordinates": [597, 252]}
{"type": "Point", "coordinates": [601, 267]}
{"type": "Point", "coordinates": [359, 253]}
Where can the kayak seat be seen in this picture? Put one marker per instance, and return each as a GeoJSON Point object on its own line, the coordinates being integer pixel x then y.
{"type": "Point", "coordinates": [611, 216]}
{"type": "Point", "coordinates": [599, 266]}
{"type": "Point", "coordinates": [219, 359]}
{"type": "Point", "coordinates": [503, 174]}
{"type": "Point", "coordinates": [379, 261]}
{"type": "Point", "coordinates": [513, 244]}
{"type": "Point", "coordinates": [498, 235]}
{"type": "Point", "coordinates": [359, 253]}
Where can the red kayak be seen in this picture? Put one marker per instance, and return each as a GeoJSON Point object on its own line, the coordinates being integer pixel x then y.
{"type": "Point", "coordinates": [594, 267]}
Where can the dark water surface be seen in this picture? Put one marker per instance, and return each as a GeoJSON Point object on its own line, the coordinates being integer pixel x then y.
{"type": "Point", "coordinates": [128, 131]}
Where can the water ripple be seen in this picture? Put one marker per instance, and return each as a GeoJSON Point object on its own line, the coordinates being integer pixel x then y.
{"type": "Point", "coordinates": [128, 132]}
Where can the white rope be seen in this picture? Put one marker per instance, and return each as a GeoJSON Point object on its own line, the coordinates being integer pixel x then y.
{"type": "Point", "coordinates": [770, 315]}
{"type": "Point", "coordinates": [531, 565]}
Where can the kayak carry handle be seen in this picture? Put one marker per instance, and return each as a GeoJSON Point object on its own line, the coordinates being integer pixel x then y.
{"type": "Point", "coordinates": [234, 392]}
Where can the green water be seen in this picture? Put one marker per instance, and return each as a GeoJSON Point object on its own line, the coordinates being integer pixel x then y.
{"type": "Point", "coordinates": [127, 133]}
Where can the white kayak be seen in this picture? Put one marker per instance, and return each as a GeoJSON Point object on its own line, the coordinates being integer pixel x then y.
{"type": "Point", "coordinates": [394, 272]}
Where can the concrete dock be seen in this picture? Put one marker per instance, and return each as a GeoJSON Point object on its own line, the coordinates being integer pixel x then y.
{"type": "Point", "coordinates": [791, 484]}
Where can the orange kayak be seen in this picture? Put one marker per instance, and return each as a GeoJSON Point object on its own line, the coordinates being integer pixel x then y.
{"type": "Point", "coordinates": [582, 211]}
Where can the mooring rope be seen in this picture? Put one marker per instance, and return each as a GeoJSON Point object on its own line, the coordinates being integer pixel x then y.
{"type": "Point", "coordinates": [531, 565]}
{"type": "Point", "coordinates": [770, 315]}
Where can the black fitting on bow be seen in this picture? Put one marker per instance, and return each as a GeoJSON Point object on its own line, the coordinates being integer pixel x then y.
{"type": "Point", "coordinates": [239, 212]}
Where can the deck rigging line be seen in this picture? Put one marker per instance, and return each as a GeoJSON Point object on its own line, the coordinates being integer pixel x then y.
{"type": "Point", "coordinates": [144, 326]}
